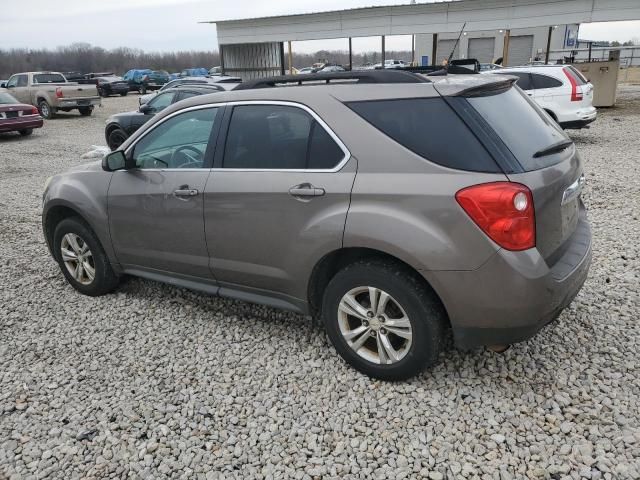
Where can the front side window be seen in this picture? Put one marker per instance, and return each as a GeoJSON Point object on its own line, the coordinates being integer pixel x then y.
{"type": "Point", "coordinates": [22, 80]}
{"type": "Point", "coordinates": [161, 101]}
{"type": "Point", "coordinates": [13, 81]}
{"type": "Point", "coordinates": [179, 142]}
{"type": "Point", "coordinates": [278, 137]}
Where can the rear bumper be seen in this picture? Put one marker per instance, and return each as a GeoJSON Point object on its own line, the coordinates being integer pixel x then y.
{"type": "Point", "coordinates": [512, 296]}
{"type": "Point", "coordinates": [117, 88]}
{"type": "Point", "coordinates": [77, 102]}
{"type": "Point", "coordinates": [581, 119]}
{"type": "Point", "coordinates": [14, 124]}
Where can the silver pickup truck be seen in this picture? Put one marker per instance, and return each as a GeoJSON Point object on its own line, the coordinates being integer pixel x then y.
{"type": "Point", "coordinates": [50, 92]}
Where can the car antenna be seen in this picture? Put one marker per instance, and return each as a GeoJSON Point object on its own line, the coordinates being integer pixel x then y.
{"type": "Point", "coordinates": [454, 47]}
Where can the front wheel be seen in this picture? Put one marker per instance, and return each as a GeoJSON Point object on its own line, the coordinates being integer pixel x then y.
{"type": "Point", "coordinates": [82, 259]}
{"type": "Point", "coordinates": [383, 320]}
{"type": "Point", "coordinates": [142, 90]}
{"type": "Point", "coordinates": [123, 94]}
{"type": "Point", "coordinates": [116, 138]}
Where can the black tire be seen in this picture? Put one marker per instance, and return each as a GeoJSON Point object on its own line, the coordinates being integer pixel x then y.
{"type": "Point", "coordinates": [142, 90]}
{"type": "Point", "coordinates": [116, 137]}
{"type": "Point", "coordinates": [425, 312]}
{"type": "Point", "coordinates": [26, 132]}
{"type": "Point", "coordinates": [123, 94]}
{"type": "Point", "coordinates": [46, 110]}
{"type": "Point", "coordinates": [85, 111]}
{"type": "Point", "coordinates": [102, 92]}
{"type": "Point", "coordinates": [105, 279]}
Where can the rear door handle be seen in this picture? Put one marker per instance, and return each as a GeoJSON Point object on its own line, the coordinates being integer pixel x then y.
{"type": "Point", "coordinates": [306, 190]}
{"type": "Point", "coordinates": [185, 191]}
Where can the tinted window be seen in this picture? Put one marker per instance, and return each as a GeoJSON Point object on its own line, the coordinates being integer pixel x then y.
{"type": "Point", "coordinates": [180, 142]}
{"type": "Point", "coordinates": [183, 95]}
{"type": "Point", "coordinates": [277, 137]}
{"type": "Point", "coordinates": [429, 128]}
{"type": "Point", "coordinates": [23, 80]}
{"type": "Point", "coordinates": [523, 127]}
{"type": "Point", "coordinates": [324, 152]}
{"type": "Point", "coordinates": [161, 101]}
{"type": "Point", "coordinates": [48, 78]}
{"type": "Point", "coordinates": [524, 80]}
{"type": "Point", "coordinates": [545, 81]}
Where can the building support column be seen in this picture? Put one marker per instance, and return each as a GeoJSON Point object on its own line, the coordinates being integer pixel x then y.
{"type": "Point", "coordinates": [546, 55]}
{"type": "Point", "coordinates": [290, 59]}
{"type": "Point", "coordinates": [281, 44]}
{"type": "Point", "coordinates": [590, 45]}
{"type": "Point", "coordinates": [383, 54]}
{"type": "Point", "coordinates": [221, 52]}
{"type": "Point", "coordinates": [434, 49]}
{"type": "Point", "coordinates": [350, 55]}
{"type": "Point", "coordinates": [413, 50]}
{"type": "Point", "coordinates": [505, 48]}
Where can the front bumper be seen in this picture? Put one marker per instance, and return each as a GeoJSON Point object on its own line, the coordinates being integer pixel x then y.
{"type": "Point", "coordinates": [515, 294]}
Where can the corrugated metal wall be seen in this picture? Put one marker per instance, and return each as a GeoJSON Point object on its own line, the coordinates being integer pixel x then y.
{"type": "Point", "coordinates": [481, 49]}
{"type": "Point", "coordinates": [444, 50]}
{"type": "Point", "coordinates": [252, 60]}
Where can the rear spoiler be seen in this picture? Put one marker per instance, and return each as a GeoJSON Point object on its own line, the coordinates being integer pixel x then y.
{"type": "Point", "coordinates": [453, 87]}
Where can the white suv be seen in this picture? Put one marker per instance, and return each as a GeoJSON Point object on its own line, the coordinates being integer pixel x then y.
{"type": "Point", "coordinates": [561, 90]}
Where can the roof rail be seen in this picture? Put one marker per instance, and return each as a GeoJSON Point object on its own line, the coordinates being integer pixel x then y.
{"type": "Point", "coordinates": [368, 76]}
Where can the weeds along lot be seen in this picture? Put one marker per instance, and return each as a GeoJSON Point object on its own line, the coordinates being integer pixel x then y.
{"type": "Point", "coordinates": [159, 382]}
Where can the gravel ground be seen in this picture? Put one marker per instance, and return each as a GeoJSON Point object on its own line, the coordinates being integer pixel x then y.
{"type": "Point", "coordinates": [158, 382]}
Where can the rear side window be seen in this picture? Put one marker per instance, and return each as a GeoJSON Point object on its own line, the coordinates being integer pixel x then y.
{"type": "Point", "coordinates": [544, 81]}
{"type": "Point", "coordinates": [429, 128]}
{"type": "Point", "coordinates": [278, 137]}
{"type": "Point", "coordinates": [524, 80]}
{"type": "Point", "coordinates": [523, 127]}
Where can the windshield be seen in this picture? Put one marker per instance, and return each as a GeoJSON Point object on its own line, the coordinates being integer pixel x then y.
{"type": "Point", "coordinates": [5, 98]}
{"type": "Point", "coordinates": [523, 126]}
{"type": "Point", "coordinates": [49, 78]}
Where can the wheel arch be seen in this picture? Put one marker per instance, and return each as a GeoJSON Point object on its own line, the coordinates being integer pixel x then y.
{"type": "Point", "coordinates": [333, 262]}
{"type": "Point", "coordinates": [53, 216]}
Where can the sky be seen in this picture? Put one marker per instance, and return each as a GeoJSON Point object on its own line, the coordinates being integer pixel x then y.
{"type": "Point", "coordinates": [169, 25]}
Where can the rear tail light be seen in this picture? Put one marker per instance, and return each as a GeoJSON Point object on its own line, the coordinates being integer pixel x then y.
{"type": "Point", "coordinates": [59, 93]}
{"type": "Point", "coordinates": [34, 111]}
{"type": "Point", "coordinates": [504, 211]}
{"type": "Point", "coordinates": [576, 90]}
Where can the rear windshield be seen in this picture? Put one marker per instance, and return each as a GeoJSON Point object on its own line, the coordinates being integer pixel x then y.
{"type": "Point", "coordinates": [429, 128]}
{"type": "Point", "coordinates": [5, 98]}
{"type": "Point", "coordinates": [522, 125]}
{"type": "Point", "coordinates": [48, 78]}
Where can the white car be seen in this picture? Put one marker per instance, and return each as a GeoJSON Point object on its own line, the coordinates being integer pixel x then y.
{"type": "Point", "coordinates": [561, 90]}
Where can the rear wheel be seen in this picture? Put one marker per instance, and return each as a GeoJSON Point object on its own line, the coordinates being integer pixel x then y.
{"type": "Point", "coordinates": [142, 90]}
{"type": "Point", "coordinates": [26, 132]}
{"type": "Point", "coordinates": [123, 94]}
{"type": "Point", "coordinates": [117, 137]}
{"type": "Point", "coordinates": [102, 93]}
{"type": "Point", "coordinates": [383, 320]}
{"type": "Point", "coordinates": [82, 259]}
{"type": "Point", "coordinates": [85, 111]}
{"type": "Point", "coordinates": [46, 110]}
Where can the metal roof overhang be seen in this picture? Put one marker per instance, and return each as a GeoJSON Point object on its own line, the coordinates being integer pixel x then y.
{"type": "Point", "coordinates": [440, 17]}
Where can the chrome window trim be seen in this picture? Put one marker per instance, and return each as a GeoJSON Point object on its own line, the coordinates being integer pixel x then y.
{"type": "Point", "coordinates": [314, 115]}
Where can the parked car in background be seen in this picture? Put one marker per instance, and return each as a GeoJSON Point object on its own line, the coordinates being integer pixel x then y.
{"type": "Point", "coordinates": [295, 204]}
{"type": "Point", "coordinates": [135, 77]}
{"type": "Point", "coordinates": [561, 90]}
{"type": "Point", "coordinates": [120, 126]}
{"type": "Point", "coordinates": [18, 117]}
{"type": "Point", "coordinates": [111, 85]}
{"type": "Point", "coordinates": [194, 72]}
{"type": "Point", "coordinates": [223, 82]}
{"type": "Point", "coordinates": [307, 70]}
{"type": "Point", "coordinates": [50, 92]}
{"type": "Point", "coordinates": [331, 68]}
{"type": "Point", "coordinates": [484, 67]}
{"type": "Point", "coordinates": [215, 71]}
{"type": "Point", "coordinates": [144, 80]}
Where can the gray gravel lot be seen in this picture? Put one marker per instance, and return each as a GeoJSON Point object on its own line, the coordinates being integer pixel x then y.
{"type": "Point", "coordinates": [157, 382]}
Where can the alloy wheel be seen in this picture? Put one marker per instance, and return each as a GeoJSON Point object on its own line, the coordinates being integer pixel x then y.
{"type": "Point", "coordinates": [374, 325]}
{"type": "Point", "coordinates": [77, 258]}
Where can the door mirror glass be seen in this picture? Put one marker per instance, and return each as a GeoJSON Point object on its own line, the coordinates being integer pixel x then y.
{"type": "Point", "coordinates": [146, 108]}
{"type": "Point", "coordinates": [114, 161]}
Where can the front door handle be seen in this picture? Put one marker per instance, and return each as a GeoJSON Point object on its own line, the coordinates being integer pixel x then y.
{"type": "Point", "coordinates": [306, 190]}
{"type": "Point", "coordinates": [185, 191]}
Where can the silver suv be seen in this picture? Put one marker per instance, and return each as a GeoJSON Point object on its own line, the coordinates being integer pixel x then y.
{"type": "Point", "coordinates": [397, 207]}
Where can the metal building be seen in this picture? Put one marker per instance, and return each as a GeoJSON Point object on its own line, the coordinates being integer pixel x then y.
{"type": "Point", "coordinates": [520, 29]}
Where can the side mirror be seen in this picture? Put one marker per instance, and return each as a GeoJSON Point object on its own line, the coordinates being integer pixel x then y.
{"type": "Point", "coordinates": [114, 161]}
{"type": "Point", "coordinates": [146, 108]}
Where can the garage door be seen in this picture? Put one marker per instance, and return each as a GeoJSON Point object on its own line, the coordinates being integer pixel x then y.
{"type": "Point", "coordinates": [520, 49]}
{"type": "Point", "coordinates": [481, 49]}
{"type": "Point", "coordinates": [444, 50]}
